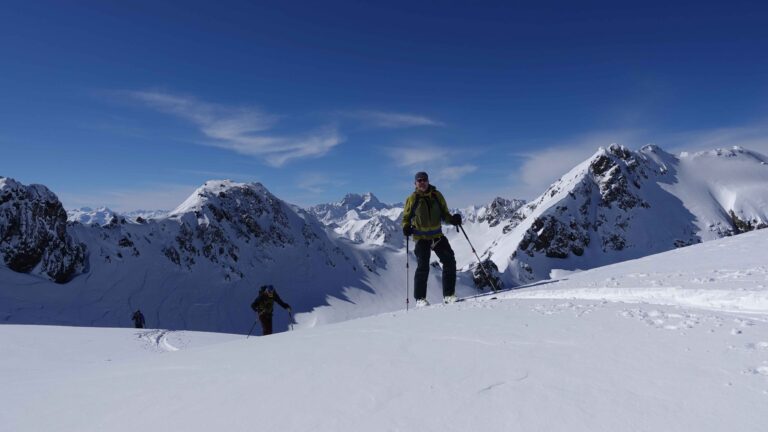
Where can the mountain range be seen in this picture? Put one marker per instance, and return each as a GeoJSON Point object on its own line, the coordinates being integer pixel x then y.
{"type": "Point", "coordinates": [199, 265]}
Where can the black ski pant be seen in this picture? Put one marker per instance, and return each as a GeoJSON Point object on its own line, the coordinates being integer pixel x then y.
{"type": "Point", "coordinates": [444, 252]}
{"type": "Point", "coordinates": [266, 323]}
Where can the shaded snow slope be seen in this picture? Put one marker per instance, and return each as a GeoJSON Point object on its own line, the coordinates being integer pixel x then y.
{"type": "Point", "coordinates": [199, 268]}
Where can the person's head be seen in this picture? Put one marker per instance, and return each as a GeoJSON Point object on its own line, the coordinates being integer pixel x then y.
{"type": "Point", "coordinates": [421, 180]}
{"type": "Point", "coordinates": [268, 290]}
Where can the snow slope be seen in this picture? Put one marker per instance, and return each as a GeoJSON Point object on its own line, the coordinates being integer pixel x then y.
{"type": "Point", "coordinates": [625, 347]}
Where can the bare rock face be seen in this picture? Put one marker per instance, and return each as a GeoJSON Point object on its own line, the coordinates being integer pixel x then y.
{"type": "Point", "coordinates": [33, 233]}
{"type": "Point", "coordinates": [500, 210]}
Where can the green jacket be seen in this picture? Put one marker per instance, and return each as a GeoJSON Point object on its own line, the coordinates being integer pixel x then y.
{"type": "Point", "coordinates": [265, 304]}
{"type": "Point", "coordinates": [425, 212]}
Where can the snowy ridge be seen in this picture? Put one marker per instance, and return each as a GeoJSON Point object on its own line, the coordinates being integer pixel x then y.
{"type": "Point", "coordinates": [621, 204]}
{"type": "Point", "coordinates": [88, 216]}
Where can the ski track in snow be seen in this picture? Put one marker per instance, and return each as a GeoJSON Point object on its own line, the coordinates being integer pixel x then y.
{"type": "Point", "coordinates": [157, 340]}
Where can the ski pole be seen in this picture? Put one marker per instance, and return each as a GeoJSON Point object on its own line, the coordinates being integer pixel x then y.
{"type": "Point", "coordinates": [407, 274]}
{"type": "Point", "coordinates": [254, 325]}
{"type": "Point", "coordinates": [480, 263]}
{"type": "Point", "coordinates": [290, 323]}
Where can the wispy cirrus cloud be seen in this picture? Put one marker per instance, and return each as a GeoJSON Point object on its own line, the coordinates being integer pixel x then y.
{"type": "Point", "coordinates": [242, 130]}
{"type": "Point", "coordinates": [439, 162]}
{"type": "Point", "coordinates": [455, 173]}
{"type": "Point", "coordinates": [392, 120]}
{"type": "Point", "coordinates": [318, 182]}
{"type": "Point", "coordinates": [420, 154]}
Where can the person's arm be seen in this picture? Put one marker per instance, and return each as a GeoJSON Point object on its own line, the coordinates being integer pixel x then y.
{"type": "Point", "coordinates": [281, 302]}
{"type": "Point", "coordinates": [408, 211]}
{"type": "Point", "coordinates": [445, 212]}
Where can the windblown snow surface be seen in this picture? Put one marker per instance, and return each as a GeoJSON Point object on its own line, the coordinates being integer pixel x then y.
{"type": "Point", "coordinates": [671, 342]}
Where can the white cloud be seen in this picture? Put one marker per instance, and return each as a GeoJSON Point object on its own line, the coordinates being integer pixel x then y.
{"type": "Point", "coordinates": [439, 162]}
{"type": "Point", "coordinates": [390, 120]}
{"type": "Point", "coordinates": [451, 174]}
{"type": "Point", "coordinates": [418, 155]}
{"type": "Point", "coordinates": [242, 130]}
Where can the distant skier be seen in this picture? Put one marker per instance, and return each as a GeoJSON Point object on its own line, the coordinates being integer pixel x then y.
{"type": "Point", "coordinates": [425, 210]}
{"type": "Point", "coordinates": [264, 305]}
{"type": "Point", "coordinates": [138, 319]}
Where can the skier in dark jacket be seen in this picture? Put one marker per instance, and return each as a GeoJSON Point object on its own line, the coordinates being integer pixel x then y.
{"type": "Point", "coordinates": [138, 319]}
{"type": "Point", "coordinates": [424, 212]}
{"type": "Point", "coordinates": [264, 305]}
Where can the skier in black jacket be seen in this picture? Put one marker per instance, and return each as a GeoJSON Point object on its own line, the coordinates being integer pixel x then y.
{"type": "Point", "coordinates": [264, 305]}
{"type": "Point", "coordinates": [138, 319]}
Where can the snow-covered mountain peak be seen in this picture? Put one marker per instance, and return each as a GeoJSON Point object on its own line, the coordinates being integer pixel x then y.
{"type": "Point", "coordinates": [34, 191]}
{"type": "Point", "coordinates": [214, 193]}
{"type": "Point", "coordinates": [33, 233]}
{"type": "Point", "coordinates": [365, 202]}
{"type": "Point", "coordinates": [88, 216]}
{"type": "Point", "coordinates": [621, 204]}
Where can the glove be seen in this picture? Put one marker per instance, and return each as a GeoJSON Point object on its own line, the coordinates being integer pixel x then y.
{"type": "Point", "coordinates": [456, 219]}
{"type": "Point", "coordinates": [407, 230]}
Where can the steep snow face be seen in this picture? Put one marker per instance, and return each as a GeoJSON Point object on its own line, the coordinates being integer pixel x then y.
{"type": "Point", "coordinates": [735, 182]}
{"type": "Point", "coordinates": [621, 204]}
{"type": "Point", "coordinates": [33, 233]}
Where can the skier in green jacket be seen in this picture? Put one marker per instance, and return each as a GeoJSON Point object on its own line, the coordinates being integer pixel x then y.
{"type": "Point", "coordinates": [424, 212]}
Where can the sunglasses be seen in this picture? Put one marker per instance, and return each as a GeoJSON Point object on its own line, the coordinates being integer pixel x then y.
{"type": "Point", "coordinates": [421, 180]}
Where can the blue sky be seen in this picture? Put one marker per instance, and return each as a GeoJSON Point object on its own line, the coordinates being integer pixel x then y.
{"type": "Point", "coordinates": [135, 104]}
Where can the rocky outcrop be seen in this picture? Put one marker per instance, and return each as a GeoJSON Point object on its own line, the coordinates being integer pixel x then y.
{"type": "Point", "coordinates": [33, 233]}
{"type": "Point", "coordinates": [500, 210]}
